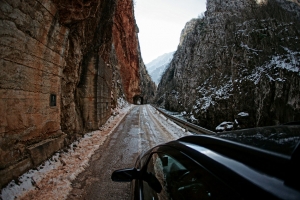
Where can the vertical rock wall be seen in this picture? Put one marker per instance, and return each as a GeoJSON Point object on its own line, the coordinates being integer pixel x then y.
{"type": "Point", "coordinates": [63, 64]}
{"type": "Point", "coordinates": [128, 62]}
{"type": "Point", "coordinates": [125, 43]}
{"type": "Point", "coordinates": [147, 85]}
{"type": "Point", "coordinates": [240, 57]}
{"type": "Point", "coordinates": [32, 48]}
{"type": "Point", "coordinates": [86, 81]}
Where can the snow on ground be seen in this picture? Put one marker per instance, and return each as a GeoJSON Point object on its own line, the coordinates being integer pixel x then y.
{"type": "Point", "coordinates": [175, 130]}
{"type": "Point", "coordinates": [176, 114]}
{"type": "Point", "coordinates": [54, 177]}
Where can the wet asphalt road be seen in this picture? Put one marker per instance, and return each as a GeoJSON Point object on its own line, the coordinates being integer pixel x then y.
{"type": "Point", "coordinates": [137, 132]}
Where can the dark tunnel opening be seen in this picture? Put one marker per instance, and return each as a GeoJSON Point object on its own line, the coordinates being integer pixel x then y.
{"type": "Point", "coordinates": [138, 100]}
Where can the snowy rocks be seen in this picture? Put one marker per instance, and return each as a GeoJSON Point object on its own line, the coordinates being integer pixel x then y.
{"type": "Point", "coordinates": [236, 59]}
{"type": "Point", "coordinates": [224, 126]}
{"type": "Point", "coordinates": [291, 6]}
{"type": "Point", "coordinates": [242, 120]}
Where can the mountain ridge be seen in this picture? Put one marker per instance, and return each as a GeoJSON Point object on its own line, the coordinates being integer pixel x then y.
{"type": "Point", "coordinates": [157, 66]}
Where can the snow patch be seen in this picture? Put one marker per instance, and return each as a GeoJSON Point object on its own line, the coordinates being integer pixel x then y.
{"type": "Point", "coordinates": [224, 126]}
{"type": "Point", "coordinates": [243, 114]}
{"type": "Point", "coordinates": [254, 51]}
{"type": "Point", "coordinates": [55, 175]}
{"type": "Point", "coordinates": [209, 93]}
{"type": "Point", "coordinates": [289, 62]}
{"type": "Point", "coordinates": [175, 130]}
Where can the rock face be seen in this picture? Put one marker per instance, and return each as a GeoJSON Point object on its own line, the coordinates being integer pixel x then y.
{"type": "Point", "coordinates": [136, 82]}
{"type": "Point", "coordinates": [292, 6]}
{"type": "Point", "coordinates": [125, 45]}
{"type": "Point", "coordinates": [240, 57]}
{"type": "Point", "coordinates": [147, 85]}
{"type": "Point", "coordinates": [63, 66]}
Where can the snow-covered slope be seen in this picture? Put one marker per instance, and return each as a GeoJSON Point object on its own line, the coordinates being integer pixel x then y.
{"type": "Point", "coordinates": [158, 66]}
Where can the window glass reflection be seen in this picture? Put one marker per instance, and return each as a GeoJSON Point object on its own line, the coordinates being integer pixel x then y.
{"type": "Point", "coordinates": [181, 180]}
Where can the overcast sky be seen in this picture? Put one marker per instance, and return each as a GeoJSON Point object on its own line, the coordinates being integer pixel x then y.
{"type": "Point", "coordinates": [160, 23]}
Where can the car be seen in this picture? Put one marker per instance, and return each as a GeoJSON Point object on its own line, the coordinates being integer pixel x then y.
{"type": "Point", "coordinates": [211, 167]}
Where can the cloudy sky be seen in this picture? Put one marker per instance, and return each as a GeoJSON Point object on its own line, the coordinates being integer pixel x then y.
{"type": "Point", "coordinates": [160, 23]}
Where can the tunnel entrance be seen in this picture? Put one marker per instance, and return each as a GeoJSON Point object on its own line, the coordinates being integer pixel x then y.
{"type": "Point", "coordinates": [138, 100]}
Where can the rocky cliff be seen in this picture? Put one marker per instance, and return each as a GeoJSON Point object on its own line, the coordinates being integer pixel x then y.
{"type": "Point", "coordinates": [240, 57]}
{"type": "Point", "coordinates": [64, 65]}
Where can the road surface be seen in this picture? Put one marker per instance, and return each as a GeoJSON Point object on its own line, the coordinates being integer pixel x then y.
{"type": "Point", "coordinates": [141, 129]}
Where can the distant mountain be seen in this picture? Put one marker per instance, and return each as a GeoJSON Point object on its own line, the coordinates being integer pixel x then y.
{"type": "Point", "coordinates": [158, 66]}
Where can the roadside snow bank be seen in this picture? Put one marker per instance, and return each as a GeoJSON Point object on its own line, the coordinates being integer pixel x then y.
{"type": "Point", "coordinates": [52, 179]}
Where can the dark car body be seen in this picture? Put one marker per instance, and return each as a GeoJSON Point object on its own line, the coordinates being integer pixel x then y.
{"type": "Point", "coordinates": [210, 167]}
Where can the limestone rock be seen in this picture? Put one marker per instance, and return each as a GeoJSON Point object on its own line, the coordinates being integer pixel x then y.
{"type": "Point", "coordinates": [60, 62]}
{"type": "Point", "coordinates": [240, 57]}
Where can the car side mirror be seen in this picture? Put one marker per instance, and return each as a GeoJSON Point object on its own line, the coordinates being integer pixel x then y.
{"type": "Point", "coordinates": [125, 175]}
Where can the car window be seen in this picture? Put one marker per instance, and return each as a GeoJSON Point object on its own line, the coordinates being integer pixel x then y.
{"type": "Point", "coordinates": [144, 159]}
{"type": "Point", "coordinates": [182, 180]}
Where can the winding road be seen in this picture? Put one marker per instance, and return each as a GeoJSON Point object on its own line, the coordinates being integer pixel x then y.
{"type": "Point", "coordinates": [140, 130]}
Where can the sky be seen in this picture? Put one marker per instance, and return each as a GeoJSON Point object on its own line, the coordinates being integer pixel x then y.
{"type": "Point", "coordinates": [160, 24]}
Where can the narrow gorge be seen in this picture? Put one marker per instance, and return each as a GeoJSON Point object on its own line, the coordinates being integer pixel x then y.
{"type": "Point", "coordinates": [67, 66]}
